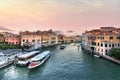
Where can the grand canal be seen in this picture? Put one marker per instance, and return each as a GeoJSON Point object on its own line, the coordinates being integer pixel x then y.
{"type": "Point", "coordinates": [70, 63]}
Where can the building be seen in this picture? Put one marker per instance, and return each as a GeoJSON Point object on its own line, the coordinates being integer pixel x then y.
{"type": "Point", "coordinates": [61, 39]}
{"type": "Point", "coordinates": [45, 38]}
{"type": "Point", "coordinates": [85, 40]}
{"type": "Point", "coordinates": [69, 39]}
{"type": "Point", "coordinates": [53, 39]}
{"type": "Point", "coordinates": [77, 39]}
{"type": "Point", "coordinates": [13, 39]}
{"type": "Point", "coordinates": [9, 38]}
{"type": "Point", "coordinates": [30, 38]}
{"type": "Point", "coordinates": [49, 38]}
{"type": "Point", "coordinates": [102, 40]}
{"type": "Point", "coordinates": [2, 39]}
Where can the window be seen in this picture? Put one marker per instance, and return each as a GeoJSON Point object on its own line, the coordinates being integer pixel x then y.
{"type": "Point", "coordinates": [102, 38]}
{"type": "Point", "coordinates": [98, 37]}
{"type": "Point", "coordinates": [106, 45]}
{"type": "Point", "coordinates": [118, 37]}
{"type": "Point", "coordinates": [98, 44]}
{"type": "Point", "coordinates": [93, 43]}
{"type": "Point", "coordinates": [27, 40]}
{"type": "Point", "coordinates": [111, 37]}
{"type": "Point", "coordinates": [93, 37]}
{"type": "Point", "coordinates": [113, 45]}
{"type": "Point", "coordinates": [106, 51]}
{"type": "Point", "coordinates": [9, 43]}
{"type": "Point", "coordinates": [23, 40]}
{"type": "Point", "coordinates": [101, 45]}
{"type": "Point", "coordinates": [33, 40]}
{"type": "Point", "coordinates": [38, 40]}
{"type": "Point", "coordinates": [101, 50]}
{"type": "Point", "coordinates": [109, 45]}
{"type": "Point", "coordinates": [118, 45]}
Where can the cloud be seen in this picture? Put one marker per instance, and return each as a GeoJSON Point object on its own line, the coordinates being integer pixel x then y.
{"type": "Point", "coordinates": [59, 13]}
{"type": "Point", "coordinates": [5, 29]}
{"type": "Point", "coordinates": [70, 31]}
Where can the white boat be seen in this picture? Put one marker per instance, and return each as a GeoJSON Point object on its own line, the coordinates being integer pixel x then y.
{"type": "Point", "coordinates": [96, 56]}
{"type": "Point", "coordinates": [62, 46]}
{"type": "Point", "coordinates": [39, 59]}
{"type": "Point", "coordinates": [24, 59]}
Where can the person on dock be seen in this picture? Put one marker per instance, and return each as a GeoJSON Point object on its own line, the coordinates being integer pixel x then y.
{"type": "Point", "coordinates": [15, 60]}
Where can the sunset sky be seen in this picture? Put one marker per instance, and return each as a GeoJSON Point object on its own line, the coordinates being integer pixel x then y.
{"type": "Point", "coordinates": [64, 15]}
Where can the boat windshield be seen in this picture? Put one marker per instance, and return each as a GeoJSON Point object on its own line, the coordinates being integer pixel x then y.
{"type": "Point", "coordinates": [24, 59]}
{"type": "Point", "coordinates": [21, 59]}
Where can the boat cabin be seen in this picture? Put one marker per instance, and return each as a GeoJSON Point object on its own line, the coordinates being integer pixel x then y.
{"type": "Point", "coordinates": [25, 58]}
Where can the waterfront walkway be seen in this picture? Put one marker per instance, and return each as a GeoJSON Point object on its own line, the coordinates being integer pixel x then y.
{"type": "Point", "coordinates": [5, 63]}
{"type": "Point", "coordinates": [9, 56]}
{"type": "Point", "coordinates": [111, 59]}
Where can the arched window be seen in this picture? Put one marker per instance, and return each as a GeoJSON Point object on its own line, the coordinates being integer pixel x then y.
{"type": "Point", "coordinates": [101, 44]}
{"type": "Point", "coordinates": [98, 44]}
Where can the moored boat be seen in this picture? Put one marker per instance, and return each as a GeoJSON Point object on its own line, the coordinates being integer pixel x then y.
{"type": "Point", "coordinates": [62, 46]}
{"type": "Point", "coordinates": [96, 56]}
{"type": "Point", "coordinates": [24, 59]}
{"type": "Point", "coordinates": [39, 59]}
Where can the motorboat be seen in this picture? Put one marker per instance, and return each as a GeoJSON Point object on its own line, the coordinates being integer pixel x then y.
{"type": "Point", "coordinates": [62, 46]}
{"type": "Point", "coordinates": [96, 56]}
{"type": "Point", "coordinates": [39, 59]}
{"type": "Point", "coordinates": [23, 60]}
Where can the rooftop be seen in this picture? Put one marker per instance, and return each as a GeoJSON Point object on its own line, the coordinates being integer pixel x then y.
{"type": "Point", "coordinates": [104, 31]}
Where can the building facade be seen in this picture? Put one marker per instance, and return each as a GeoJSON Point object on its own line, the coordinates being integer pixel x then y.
{"type": "Point", "coordinates": [61, 39]}
{"type": "Point", "coordinates": [2, 39]}
{"type": "Point", "coordinates": [102, 40]}
{"type": "Point", "coordinates": [44, 38]}
{"type": "Point", "coordinates": [14, 39]}
{"type": "Point", "coordinates": [30, 38]}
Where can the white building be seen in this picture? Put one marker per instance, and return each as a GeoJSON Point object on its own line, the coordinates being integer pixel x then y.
{"type": "Point", "coordinates": [85, 40]}
{"type": "Point", "coordinates": [28, 38]}
{"type": "Point", "coordinates": [104, 47]}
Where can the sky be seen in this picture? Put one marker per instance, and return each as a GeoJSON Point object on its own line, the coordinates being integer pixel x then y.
{"type": "Point", "coordinates": [63, 15]}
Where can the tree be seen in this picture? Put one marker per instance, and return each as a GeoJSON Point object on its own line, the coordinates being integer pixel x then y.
{"type": "Point", "coordinates": [115, 52]}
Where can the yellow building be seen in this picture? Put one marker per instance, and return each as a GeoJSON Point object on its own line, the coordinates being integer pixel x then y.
{"type": "Point", "coordinates": [68, 39]}
{"type": "Point", "coordinates": [61, 39]}
{"type": "Point", "coordinates": [48, 39]}
{"type": "Point", "coordinates": [103, 39]}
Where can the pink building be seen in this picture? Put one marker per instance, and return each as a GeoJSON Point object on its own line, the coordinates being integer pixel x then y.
{"type": "Point", "coordinates": [13, 39]}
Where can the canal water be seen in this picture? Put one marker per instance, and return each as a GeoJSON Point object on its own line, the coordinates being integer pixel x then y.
{"type": "Point", "coordinates": [70, 63]}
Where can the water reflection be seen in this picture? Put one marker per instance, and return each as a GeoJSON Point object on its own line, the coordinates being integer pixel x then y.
{"type": "Point", "coordinates": [12, 73]}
